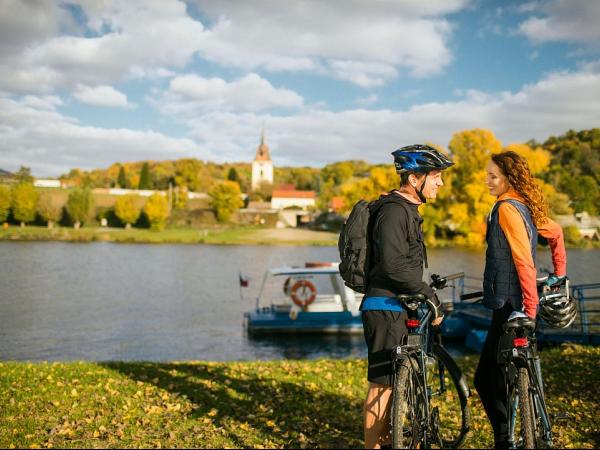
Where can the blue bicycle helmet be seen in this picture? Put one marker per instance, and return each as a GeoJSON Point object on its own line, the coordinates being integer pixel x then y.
{"type": "Point", "coordinates": [420, 158]}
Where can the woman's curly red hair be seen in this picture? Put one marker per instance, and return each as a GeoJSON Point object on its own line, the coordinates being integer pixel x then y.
{"type": "Point", "coordinates": [516, 170]}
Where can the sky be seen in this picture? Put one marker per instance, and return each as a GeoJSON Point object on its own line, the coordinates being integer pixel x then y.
{"type": "Point", "coordinates": [85, 84]}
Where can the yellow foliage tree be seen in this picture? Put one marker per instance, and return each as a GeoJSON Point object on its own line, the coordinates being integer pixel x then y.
{"type": "Point", "coordinates": [471, 151]}
{"type": "Point", "coordinates": [157, 211]}
{"type": "Point", "coordinates": [538, 159]}
{"type": "Point", "coordinates": [225, 199]}
{"type": "Point", "coordinates": [127, 210]}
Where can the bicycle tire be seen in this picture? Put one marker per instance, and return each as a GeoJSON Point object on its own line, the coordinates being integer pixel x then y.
{"type": "Point", "coordinates": [525, 409]}
{"type": "Point", "coordinates": [404, 405]}
{"type": "Point", "coordinates": [455, 417]}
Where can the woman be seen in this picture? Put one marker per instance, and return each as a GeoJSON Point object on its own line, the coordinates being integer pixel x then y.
{"type": "Point", "coordinates": [509, 285]}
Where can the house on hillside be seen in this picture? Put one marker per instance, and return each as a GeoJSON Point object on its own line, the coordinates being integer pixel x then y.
{"type": "Point", "coordinates": [295, 206]}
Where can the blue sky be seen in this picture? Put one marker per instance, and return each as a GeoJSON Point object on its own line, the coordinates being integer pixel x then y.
{"type": "Point", "coordinates": [86, 84]}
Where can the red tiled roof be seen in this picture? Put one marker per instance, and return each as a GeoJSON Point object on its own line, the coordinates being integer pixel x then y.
{"type": "Point", "coordinates": [293, 194]}
{"type": "Point", "coordinates": [337, 202]}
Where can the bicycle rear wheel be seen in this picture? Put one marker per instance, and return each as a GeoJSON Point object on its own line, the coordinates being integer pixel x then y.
{"type": "Point", "coordinates": [526, 409]}
{"type": "Point", "coordinates": [449, 394]}
{"type": "Point", "coordinates": [405, 415]}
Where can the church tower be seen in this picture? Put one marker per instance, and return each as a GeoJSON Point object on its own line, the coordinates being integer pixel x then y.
{"type": "Point", "coordinates": [262, 166]}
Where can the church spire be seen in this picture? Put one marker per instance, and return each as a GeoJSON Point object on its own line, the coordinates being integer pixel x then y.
{"type": "Point", "coordinates": [262, 152]}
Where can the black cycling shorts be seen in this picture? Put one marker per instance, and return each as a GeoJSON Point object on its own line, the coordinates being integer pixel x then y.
{"type": "Point", "coordinates": [384, 331]}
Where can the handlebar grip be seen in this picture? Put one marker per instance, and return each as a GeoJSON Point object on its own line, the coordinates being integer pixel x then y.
{"type": "Point", "coordinates": [454, 276]}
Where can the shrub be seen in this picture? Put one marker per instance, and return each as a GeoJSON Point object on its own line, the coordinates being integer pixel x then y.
{"type": "Point", "coordinates": [225, 199]}
{"type": "Point", "coordinates": [5, 201]}
{"type": "Point", "coordinates": [126, 209]}
{"type": "Point", "coordinates": [157, 211]}
{"type": "Point", "coordinates": [49, 209]}
{"type": "Point", "coordinates": [24, 203]}
{"type": "Point", "coordinates": [79, 206]}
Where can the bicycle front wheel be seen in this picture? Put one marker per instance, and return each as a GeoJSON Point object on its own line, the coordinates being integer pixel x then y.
{"type": "Point", "coordinates": [405, 410]}
{"type": "Point", "coordinates": [526, 409]}
{"type": "Point", "coordinates": [449, 395]}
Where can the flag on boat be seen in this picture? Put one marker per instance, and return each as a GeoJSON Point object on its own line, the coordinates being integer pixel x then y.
{"type": "Point", "coordinates": [243, 280]}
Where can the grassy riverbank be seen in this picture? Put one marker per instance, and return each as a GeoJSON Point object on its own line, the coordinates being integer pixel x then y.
{"type": "Point", "coordinates": [254, 404]}
{"type": "Point", "coordinates": [225, 236]}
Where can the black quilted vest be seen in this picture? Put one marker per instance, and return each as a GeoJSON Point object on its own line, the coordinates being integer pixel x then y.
{"type": "Point", "coordinates": [500, 279]}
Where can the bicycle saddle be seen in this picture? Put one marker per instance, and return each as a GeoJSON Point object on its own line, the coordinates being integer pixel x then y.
{"type": "Point", "coordinates": [521, 322]}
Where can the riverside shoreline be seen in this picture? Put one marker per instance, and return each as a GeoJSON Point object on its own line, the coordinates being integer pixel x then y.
{"type": "Point", "coordinates": [274, 404]}
{"type": "Point", "coordinates": [213, 236]}
{"type": "Point", "coordinates": [224, 236]}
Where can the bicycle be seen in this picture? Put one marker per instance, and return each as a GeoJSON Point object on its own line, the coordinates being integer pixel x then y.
{"type": "Point", "coordinates": [425, 379]}
{"type": "Point", "coordinates": [518, 353]}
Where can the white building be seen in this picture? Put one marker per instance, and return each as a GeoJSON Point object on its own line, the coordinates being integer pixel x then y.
{"type": "Point", "coordinates": [262, 166]}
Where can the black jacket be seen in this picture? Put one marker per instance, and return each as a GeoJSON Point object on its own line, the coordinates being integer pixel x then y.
{"type": "Point", "coordinates": [398, 252]}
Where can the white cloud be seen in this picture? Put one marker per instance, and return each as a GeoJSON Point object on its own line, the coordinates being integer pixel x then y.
{"type": "Point", "coordinates": [105, 96]}
{"type": "Point", "coordinates": [564, 20]}
{"type": "Point", "coordinates": [373, 39]}
{"type": "Point", "coordinates": [559, 102]}
{"type": "Point", "coordinates": [52, 144]}
{"type": "Point", "coordinates": [35, 135]}
{"type": "Point", "coordinates": [193, 94]}
{"type": "Point", "coordinates": [43, 48]}
{"type": "Point", "coordinates": [120, 40]}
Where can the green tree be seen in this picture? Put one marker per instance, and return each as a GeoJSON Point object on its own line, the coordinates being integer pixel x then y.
{"type": "Point", "coordinates": [79, 206]}
{"type": "Point", "coordinates": [23, 175]}
{"type": "Point", "coordinates": [157, 211]}
{"type": "Point", "coordinates": [49, 209]}
{"type": "Point", "coordinates": [145, 178]}
{"type": "Point", "coordinates": [122, 179]}
{"type": "Point", "coordinates": [127, 209]}
{"type": "Point", "coordinates": [233, 175]}
{"type": "Point", "coordinates": [24, 202]}
{"type": "Point", "coordinates": [5, 202]}
{"type": "Point", "coordinates": [225, 199]}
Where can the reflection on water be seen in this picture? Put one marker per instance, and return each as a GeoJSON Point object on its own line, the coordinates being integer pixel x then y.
{"type": "Point", "coordinates": [101, 301]}
{"type": "Point", "coordinates": [310, 346]}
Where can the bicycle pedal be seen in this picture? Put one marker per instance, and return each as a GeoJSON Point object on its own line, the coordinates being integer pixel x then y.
{"type": "Point", "coordinates": [561, 417]}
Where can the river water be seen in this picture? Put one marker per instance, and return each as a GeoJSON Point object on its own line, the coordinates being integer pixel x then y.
{"type": "Point", "coordinates": [103, 301]}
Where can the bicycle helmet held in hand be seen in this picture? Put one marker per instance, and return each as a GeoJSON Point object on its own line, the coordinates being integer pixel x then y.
{"type": "Point", "coordinates": [557, 308]}
{"type": "Point", "coordinates": [420, 158]}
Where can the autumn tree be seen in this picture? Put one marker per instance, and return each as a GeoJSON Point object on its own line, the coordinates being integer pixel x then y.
{"type": "Point", "coordinates": [471, 150]}
{"type": "Point", "coordinates": [225, 199]}
{"type": "Point", "coordinates": [24, 203]}
{"type": "Point", "coordinates": [49, 209]}
{"type": "Point", "coordinates": [127, 209]}
{"type": "Point", "coordinates": [79, 206]}
{"type": "Point", "coordinates": [157, 211]}
{"type": "Point", "coordinates": [5, 202]}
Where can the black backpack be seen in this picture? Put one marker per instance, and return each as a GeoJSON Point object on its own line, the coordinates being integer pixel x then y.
{"type": "Point", "coordinates": [354, 245]}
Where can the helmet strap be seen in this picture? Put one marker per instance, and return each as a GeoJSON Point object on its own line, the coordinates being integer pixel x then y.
{"type": "Point", "coordinates": [420, 191]}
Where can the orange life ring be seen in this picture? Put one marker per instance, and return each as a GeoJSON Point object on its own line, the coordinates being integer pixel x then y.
{"type": "Point", "coordinates": [303, 293]}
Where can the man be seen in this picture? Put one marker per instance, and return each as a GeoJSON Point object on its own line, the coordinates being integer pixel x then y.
{"type": "Point", "coordinates": [397, 260]}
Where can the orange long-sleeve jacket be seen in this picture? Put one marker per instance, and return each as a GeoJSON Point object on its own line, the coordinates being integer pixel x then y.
{"type": "Point", "coordinates": [513, 226]}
